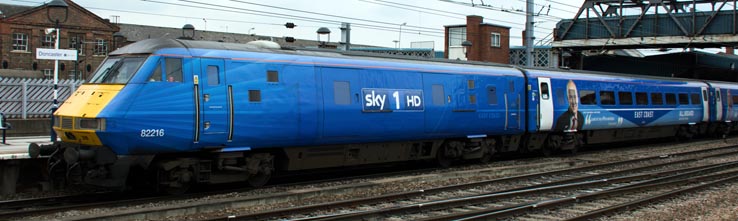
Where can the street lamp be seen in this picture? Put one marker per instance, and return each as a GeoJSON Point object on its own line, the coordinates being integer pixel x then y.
{"type": "Point", "coordinates": [399, 37]}
{"type": "Point", "coordinates": [188, 32]}
{"type": "Point", "coordinates": [466, 45]}
{"type": "Point", "coordinates": [57, 8]}
{"type": "Point", "coordinates": [323, 31]}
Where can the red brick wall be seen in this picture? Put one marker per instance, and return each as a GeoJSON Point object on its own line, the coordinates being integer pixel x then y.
{"type": "Point", "coordinates": [34, 21]}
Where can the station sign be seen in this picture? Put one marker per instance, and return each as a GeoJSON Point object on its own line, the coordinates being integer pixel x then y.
{"type": "Point", "coordinates": [56, 54]}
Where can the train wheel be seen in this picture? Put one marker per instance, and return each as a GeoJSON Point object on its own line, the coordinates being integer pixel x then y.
{"type": "Point", "coordinates": [262, 170]}
{"type": "Point", "coordinates": [442, 157]}
{"type": "Point", "coordinates": [553, 142]}
{"type": "Point", "coordinates": [174, 182]}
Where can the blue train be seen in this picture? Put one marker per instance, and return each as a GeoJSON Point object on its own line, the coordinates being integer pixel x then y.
{"type": "Point", "coordinates": [177, 113]}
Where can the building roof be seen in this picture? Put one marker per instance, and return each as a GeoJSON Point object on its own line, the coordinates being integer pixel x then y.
{"type": "Point", "coordinates": [7, 10]}
{"type": "Point", "coordinates": [482, 24]}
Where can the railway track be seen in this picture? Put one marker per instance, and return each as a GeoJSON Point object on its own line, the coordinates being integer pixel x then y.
{"type": "Point", "coordinates": [478, 203]}
{"type": "Point", "coordinates": [600, 173]}
{"type": "Point", "coordinates": [46, 205]}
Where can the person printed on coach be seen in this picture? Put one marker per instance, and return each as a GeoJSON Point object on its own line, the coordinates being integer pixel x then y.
{"type": "Point", "coordinates": [571, 120]}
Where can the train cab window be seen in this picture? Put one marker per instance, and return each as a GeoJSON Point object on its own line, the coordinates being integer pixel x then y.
{"type": "Point", "coordinates": [341, 93]}
{"type": "Point", "coordinates": [695, 98]}
{"type": "Point", "coordinates": [438, 95]}
{"type": "Point", "coordinates": [156, 75]}
{"type": "Point", "coordinates": [671, 99]}
{"type": "Point", "coordinates": [641, 98]}
{"type": "Point", "coordinates": [657, 99]}
{"type": "Point", "coordinates": [254, 95]}
{"type": "Point", "coordinates": [626, 98]}
{"type": "Point", "coordinates": [173, 68]}
{"type": "Point", "coordinates": [587, 97]}
{"type": "Point", "coordinates": [491, 96]}
{"type": "Point", "coordinates": [544, 91]}
{"type": "Point", "coordinates": [213, 76]}
{"type": "Point", "coordinates": [683, 99]}
{"type": "Point", "coordinates": [607, 98]}
{"type": "Point", "coordinates": [272, 76]}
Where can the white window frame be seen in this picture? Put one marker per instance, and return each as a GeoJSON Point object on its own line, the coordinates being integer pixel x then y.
{"type": "Point", "coordinates": [47, 40]}
{"type": "Point", "coordinates": [101, 47]}
{"type": "Point", "coordinates": [48, 73]}
{"type": "Point", "coordinates": [20, 41]}
{"type": "Point", "coordinates": [495, 39]}
{"type": "Point", "coordinates": [455, 38]}
{"type": "Point", "coordinates": [77, 39]}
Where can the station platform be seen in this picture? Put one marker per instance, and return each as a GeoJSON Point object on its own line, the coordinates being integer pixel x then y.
{"type": "Point", "coordinates": [17, 147]}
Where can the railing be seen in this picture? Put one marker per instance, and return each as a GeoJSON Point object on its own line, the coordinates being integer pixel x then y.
{"type": "Point", "coordinates": [24, 98]}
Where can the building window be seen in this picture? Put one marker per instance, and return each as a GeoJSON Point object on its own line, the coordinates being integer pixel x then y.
{"type": "Point", "coordinates": [101, 47]}
{"type": "Point", "coordinates": [47, 73]}
{"type": "Point", "coordinates": [76, 41]}
{"type": "Point", "coordinates": [456, 36]}
{"type": "Point", "coordinates": [47, 40]}
{"type": "Point", "coordinates": [20, 42]}
{"type": "Point", "coordinates": [495, 39]}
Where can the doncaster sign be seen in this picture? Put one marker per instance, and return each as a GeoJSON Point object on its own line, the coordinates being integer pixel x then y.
{"type": "Point", "coordinates": [56, 54]}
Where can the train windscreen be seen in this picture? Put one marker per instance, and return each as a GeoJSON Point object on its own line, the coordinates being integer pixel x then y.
{"type": "Point", "coordinates": [117, 70]}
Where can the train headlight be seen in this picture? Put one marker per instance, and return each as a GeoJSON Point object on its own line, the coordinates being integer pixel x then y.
{"type": "Point", "coordinates": [90, 124]}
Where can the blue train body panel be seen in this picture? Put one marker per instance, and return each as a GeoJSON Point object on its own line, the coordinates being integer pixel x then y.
{"type": "Point", "coordinates": [611, 102]}
{"type": "Point", "coordinates": [314, 101]}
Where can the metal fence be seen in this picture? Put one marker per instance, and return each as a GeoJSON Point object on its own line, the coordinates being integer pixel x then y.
{"type": "Point", "coordinates": [32, 98]}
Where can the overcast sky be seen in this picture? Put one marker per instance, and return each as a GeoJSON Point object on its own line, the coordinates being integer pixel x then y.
{"type": "Point", "coordinates": [374, 22]}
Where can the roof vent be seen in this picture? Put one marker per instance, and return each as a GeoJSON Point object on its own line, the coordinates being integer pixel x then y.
{"type": "Point", "coordinates": [264, 44]}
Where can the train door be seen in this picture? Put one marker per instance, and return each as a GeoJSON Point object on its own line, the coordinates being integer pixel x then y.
{"type": "Point", "coordinates": [705, 106]}
{"type": "Point", "coordinates": [718, 105]}
{"type": "Point", "coordinates": [546, 108]}
{"type": "Point", "coordinates": [214, 124]}
{"type": "Point", "coordinates": [512, 107]}
{"type": "Point", "coordinates": [342, 105]}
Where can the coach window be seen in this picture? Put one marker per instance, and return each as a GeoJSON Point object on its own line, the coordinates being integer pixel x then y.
{"type": "Point", "coordinates": [173, 68]}
{"type": "Point", "coordinates": [254, 95]}
{"type": "Point", "coordinates": [683, 99]}
{"type": "Point", "coordinates": [587, 97]}
{"type": "Point", "coordinates": [695, 98]}
{"type": "Point", "coordinates": [641, 98]}
{"type": "Point", "coordinates": [544, 91]}
{"type": "Point", "coordinates": [607, 98]}
{"type": "Point", "coordinates": [735, 100]}
{"type": "Point", "coordinates": [657, 99]}
{"type": "Point", "coordinates": [671, 99]}
{"type": "Point", "coordinates": [213, 77]}
{"type": "Point", "coordinates": [341, 92]}
{"type": "Point", "coordinates": [626, 98]}
{"type": "Point", "coordinates": [491, 96]}
{"type": "Point", "coordinates": [272, 76]}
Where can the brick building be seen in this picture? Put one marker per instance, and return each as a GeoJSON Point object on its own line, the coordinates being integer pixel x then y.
{"type": "Point", "coordinates": [490, 42]}
{"type": "Point", "coordinates": [23, 29]}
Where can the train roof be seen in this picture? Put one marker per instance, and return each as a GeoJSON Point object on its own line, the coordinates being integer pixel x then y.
{"type": "Point", "coordinates": [151, 46]}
